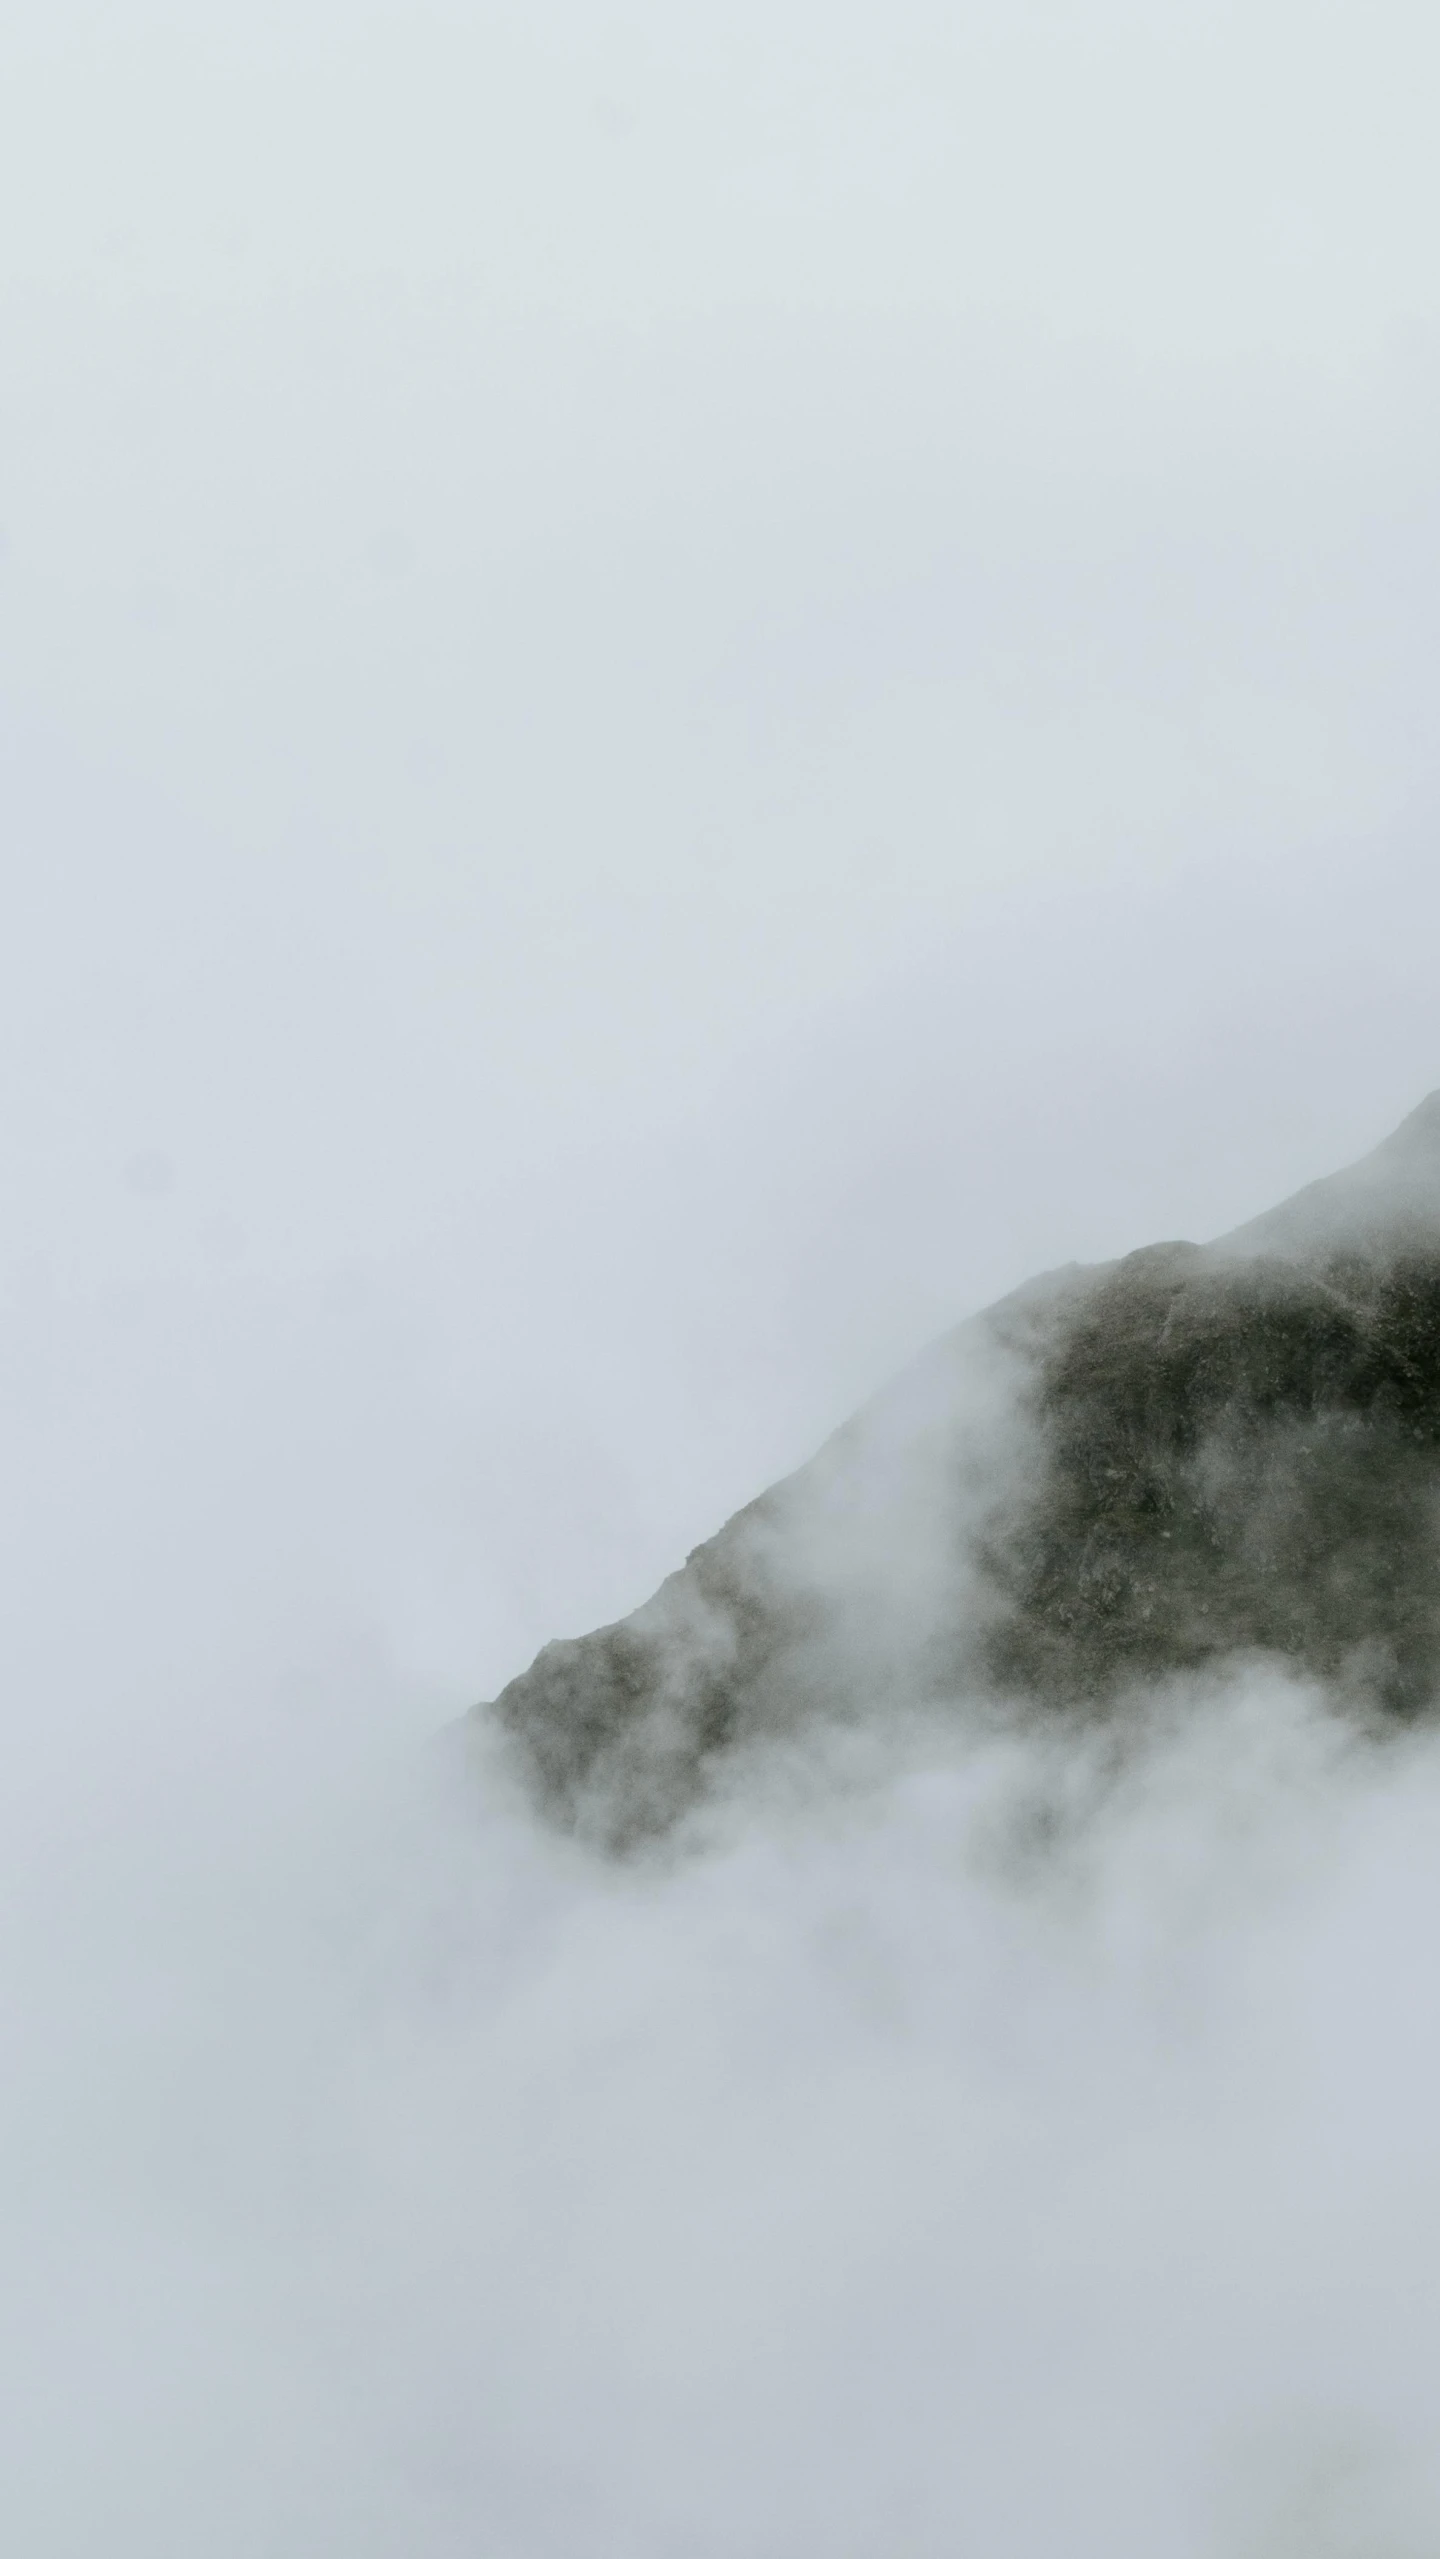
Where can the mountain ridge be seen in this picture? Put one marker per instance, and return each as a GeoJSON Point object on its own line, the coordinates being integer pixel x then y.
{"type": "Point", "coordinates": [1118, 1472]}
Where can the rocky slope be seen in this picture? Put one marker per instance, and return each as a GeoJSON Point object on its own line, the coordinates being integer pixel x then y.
{"type": "Point", "coordinates": [1117, 1474]}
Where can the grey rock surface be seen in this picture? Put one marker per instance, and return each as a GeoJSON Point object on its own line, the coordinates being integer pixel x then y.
{"type": "Point", "coordinates": [1117, 1474]}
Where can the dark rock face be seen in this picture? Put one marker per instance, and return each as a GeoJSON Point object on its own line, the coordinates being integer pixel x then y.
{"type": "Point", "coordinates": [1237, 1458]}
{"type": "Point", "coordinates": [617, 1730]}
{"type": "Point", "coordinates": [1118, 1474]}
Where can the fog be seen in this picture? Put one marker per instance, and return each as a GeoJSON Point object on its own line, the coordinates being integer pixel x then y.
{"type": "Point", "coordinates": [678, 692]}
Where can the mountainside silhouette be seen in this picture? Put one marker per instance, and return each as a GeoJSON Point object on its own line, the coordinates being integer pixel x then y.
{"type": "Point", "coordinates": [1119, 1473]}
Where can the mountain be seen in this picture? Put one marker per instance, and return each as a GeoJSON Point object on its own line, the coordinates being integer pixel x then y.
{"type": "Point", "coordinates": [1119, 1473]}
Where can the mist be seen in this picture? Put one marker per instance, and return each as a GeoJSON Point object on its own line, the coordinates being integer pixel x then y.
{"type": "Point", "coordinates": [947, 2139]}
{"type": "Point", "coordinates": [678, 694]}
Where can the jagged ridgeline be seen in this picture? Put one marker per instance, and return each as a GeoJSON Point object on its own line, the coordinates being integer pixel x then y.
{"type": "Point", "coordinates": [1118, 1473]}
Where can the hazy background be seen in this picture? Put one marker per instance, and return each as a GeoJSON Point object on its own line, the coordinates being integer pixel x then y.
{"type": "Point", "coordinates": [679, 688]}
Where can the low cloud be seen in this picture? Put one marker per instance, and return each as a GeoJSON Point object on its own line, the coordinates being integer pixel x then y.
{"type": "Point", "coordinates": [956, 2135]}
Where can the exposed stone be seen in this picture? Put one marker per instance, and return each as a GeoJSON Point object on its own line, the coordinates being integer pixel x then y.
{"type": "Point", "coordinates": [1113, 1476]}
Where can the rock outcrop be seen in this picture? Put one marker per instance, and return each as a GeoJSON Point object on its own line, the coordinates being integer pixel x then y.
{"type": "Point", "coordinates": [1115, 1475]}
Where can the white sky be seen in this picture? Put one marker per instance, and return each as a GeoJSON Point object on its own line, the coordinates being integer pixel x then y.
{"type": "Point", "coordinates": [559, 560]}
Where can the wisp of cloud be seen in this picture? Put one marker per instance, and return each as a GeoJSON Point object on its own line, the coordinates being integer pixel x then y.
{"type": "Point", "coordinates": [990, 2130]}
